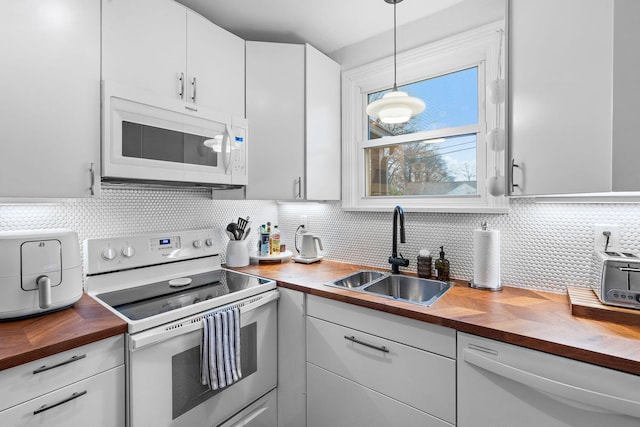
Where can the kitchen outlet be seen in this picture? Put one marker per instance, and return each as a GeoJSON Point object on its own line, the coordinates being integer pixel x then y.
{"type": "Point", "coordinates": [600, 239]}
{"type": "Point", "coordinates": [304, 221]}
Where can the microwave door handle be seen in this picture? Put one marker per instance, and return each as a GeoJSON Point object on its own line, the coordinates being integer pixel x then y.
{"type": "Point", "coordinates": [226, 140]}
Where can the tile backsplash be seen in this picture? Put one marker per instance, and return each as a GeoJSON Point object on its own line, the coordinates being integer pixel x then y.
{"type": "Point", "coordinates": [119, 212]}
{"type": "Point", "coordinates": [543, 246]}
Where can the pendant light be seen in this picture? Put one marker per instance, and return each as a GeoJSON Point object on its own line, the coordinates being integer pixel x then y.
{"type": "Point", "coordinates": [396, 106]}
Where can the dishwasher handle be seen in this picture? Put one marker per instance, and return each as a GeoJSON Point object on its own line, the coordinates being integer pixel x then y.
{"type": "Point", "coordinates": [584, 398]}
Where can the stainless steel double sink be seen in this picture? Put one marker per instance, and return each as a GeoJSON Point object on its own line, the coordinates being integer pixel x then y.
{"type": "Point", "coordinates": [398, 287]}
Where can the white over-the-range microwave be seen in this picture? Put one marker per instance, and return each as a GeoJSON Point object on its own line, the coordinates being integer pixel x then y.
{"type": "Point", "coordinates": [150, 139]}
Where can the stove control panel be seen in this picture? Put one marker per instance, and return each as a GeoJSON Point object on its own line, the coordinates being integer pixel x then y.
{"type": "Point", "coordinates": [120, 253]}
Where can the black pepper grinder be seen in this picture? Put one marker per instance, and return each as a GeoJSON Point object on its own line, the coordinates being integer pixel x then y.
{"type": "Point", "coordinates": [442, 267]}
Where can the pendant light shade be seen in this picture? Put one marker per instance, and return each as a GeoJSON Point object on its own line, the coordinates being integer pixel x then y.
{"type": "Point", "coordinates": [396, 106]}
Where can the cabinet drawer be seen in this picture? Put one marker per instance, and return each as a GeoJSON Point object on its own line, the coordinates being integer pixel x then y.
{"type": "Point", "coordinates": [97, 401]}
{"type": "Point", "coordinates": [36, 378]}
{"type": "Point", "coordinates": [434, 338]}
{"type": "Point", "coordinates": [418, 378]}
{"type": "Point", "coordinates": [335, 401]}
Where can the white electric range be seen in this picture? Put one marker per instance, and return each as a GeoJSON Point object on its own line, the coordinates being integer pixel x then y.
{"type": "Point", "coordinates": [163, 285]}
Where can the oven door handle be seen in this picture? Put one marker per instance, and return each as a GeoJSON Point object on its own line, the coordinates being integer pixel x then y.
{"type": "Point", "coordinates": [194, 323]}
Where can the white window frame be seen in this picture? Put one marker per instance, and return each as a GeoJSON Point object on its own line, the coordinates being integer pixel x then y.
{"type": "Point", "coordinates": [478, 47]}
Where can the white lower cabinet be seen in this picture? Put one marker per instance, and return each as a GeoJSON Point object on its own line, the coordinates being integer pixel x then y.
{"type": "Point", "coordinates": [91, 402]}
{"type": "Point", "coordinates": [335, 401]}
{"type": "Point", "coordinates": [291, 358]}
{"type": "Point", "coordinates": [78, 387]}
{"type": "Point", "coordinates": [370, 368]}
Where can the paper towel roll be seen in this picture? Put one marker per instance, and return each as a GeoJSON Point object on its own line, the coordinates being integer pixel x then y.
{"type": "Point", "coordinates": [486, 259]}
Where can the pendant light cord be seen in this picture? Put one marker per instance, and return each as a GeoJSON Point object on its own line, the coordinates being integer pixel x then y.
{"type": "Point", "coordinates": [395, 66]}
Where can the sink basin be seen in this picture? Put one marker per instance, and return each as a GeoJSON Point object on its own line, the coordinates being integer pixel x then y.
{"type": "Point", "coordinates": [410, 289]}
{"type": "Point", "coordinates": [358, 279]}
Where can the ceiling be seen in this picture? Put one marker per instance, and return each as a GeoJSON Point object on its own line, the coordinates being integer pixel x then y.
{"type": "Point", "coordinates": [328, 25]}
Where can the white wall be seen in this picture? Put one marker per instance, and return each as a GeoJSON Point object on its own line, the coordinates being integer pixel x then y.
{"type": "Point", "coordinates": [461, 17]}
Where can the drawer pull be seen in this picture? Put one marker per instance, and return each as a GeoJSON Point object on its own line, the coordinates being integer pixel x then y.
{"type": "Point", "coordinates": [629, 269]}
{"type": "Point", "coordinates": [66, 362]}
{"type": "Point", "coordinates": [62, 402]}
{"type": "Point", "coordinates": [375, 347]}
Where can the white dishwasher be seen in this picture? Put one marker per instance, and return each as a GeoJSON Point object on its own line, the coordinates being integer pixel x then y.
{"type": "Point", "coordinates": [503, 385]}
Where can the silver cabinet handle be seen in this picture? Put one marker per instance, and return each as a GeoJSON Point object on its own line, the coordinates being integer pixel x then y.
{"type": "Point", "coordinates": [629, 269]}
{"type": "Point", "coordinates": [62, 402]}
{"type": "Point", "coordinates": [92, 174]}
{"type": "Point", "coordinates": [181, 79]}
{"type": "Point", "coordinates": [375, 347]}
{"type": "Point", "coordinates": [299, 195]}
{"type": "Point", "coordinates": [194, 85]}
{"type": "Point", "coordinates": [513, 166]}
{"type": "Point", "coordinates": [57, 365]}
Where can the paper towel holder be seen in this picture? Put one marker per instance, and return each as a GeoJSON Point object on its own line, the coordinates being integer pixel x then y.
{"type": "Point", "coordinates": [474, 285]}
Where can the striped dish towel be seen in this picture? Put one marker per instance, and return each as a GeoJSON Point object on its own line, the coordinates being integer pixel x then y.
{"type": "Point", "coordinates": [220, 349]}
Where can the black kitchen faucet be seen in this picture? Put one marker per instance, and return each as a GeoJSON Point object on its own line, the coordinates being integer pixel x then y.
{"type": "Point", "coordinates": [394, 260]}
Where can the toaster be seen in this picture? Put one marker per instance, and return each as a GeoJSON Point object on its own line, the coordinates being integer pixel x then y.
{"type": "Point", "coordinates": [619, 279]}
{"type": "Point", "coordinates": [40, 272]}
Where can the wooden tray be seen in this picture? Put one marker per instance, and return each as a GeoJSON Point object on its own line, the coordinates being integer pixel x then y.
{"type": "Point", "coordinates": [585, 303]}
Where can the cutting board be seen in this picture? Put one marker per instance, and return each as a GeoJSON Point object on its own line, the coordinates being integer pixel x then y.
{"type": "Point", "coordinates": [585, 303]}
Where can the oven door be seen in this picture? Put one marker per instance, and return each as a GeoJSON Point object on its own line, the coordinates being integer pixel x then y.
{"type": "Point", "coordinates": [163, 370]}
{"type": "Point", "coordinates": [150, 138]}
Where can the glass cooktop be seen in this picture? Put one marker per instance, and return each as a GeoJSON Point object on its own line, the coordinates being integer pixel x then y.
{"type": "Point", "coordinates": [155, 298]}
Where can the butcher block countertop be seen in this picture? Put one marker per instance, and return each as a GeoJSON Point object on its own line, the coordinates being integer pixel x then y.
{"type": "Point", "coordinates": [528, 318]}
{"type": "Point", "coordinates": [23, 341]}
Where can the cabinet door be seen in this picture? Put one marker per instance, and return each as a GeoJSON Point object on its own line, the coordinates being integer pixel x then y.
{"type": "Point", "coordinates": [275, 82]}
{"type": "Point", "coordinates": [215, 59]}
{"type": "Point", "coordinates": [626, 91]}
{"type": "Point", "coordinates": [291, 359]}
{"type": "Point", "coordinates": [323, 126]}
{"type": "Point", "coordinates": [50, 107]}
{"type": "Point", "coordinates": [385, 366]}
{"type": "Point", "coordinates": [335, 401]}
{"type": "Point", "coordinates": [560, 70]}
{"type": "Point", "coordinates": [97, 401]}
{"type": "Point", "coordinates": [144, 44]}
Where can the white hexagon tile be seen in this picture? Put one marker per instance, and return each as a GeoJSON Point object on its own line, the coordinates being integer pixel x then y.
{"type": "Point", "coordinates": [120, 212]}
{"type": "Point", "coordinates": [543, 246]}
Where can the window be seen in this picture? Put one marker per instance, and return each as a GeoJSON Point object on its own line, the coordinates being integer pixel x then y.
{"type": "Point", "coordinates": [440, 166]}
{"type": "Point", "coordinates": [439, 160]}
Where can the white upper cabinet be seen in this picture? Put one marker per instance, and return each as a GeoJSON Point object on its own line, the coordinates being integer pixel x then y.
{"type": "Point", "coordinates": [572, 96]}
{"type": "Point", "coordinates": [626, 91]}
{"type": "Point", "coordinates": [50, 107]}
{"type": "Point", "coordinates": [163, 47]}
{"type": "Point", "coordinates": [215, 61]}
{"type": "Point", "coordinates": [293, 106]}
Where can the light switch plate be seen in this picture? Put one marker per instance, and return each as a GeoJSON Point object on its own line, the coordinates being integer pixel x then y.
{"type": "Point", "coordinates": [600, 239]}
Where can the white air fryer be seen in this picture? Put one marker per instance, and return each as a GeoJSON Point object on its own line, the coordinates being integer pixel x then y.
{"type": "Point", "coordinates": [40, 272]}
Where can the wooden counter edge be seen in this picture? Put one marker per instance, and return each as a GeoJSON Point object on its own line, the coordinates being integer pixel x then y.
{"type": "Point", "coordinates": [93, 322]}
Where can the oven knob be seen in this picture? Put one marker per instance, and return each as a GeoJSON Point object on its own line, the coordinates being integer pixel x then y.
{"type": "Point", "coordinates": [197, 243]}
{"type": "Point", "coordinates": [208, 242]}
{"type": "Point", "coordinates": [109, 253]}
{"type": "Point", "coordinates": [128, 251]}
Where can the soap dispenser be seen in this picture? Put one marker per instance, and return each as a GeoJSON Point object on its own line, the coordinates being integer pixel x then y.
{"type": "Point", "coordinates": [442, 267]}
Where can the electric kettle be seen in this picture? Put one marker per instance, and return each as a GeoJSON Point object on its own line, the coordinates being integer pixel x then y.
{"type": "Point", "coordinates": [308, 248]}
